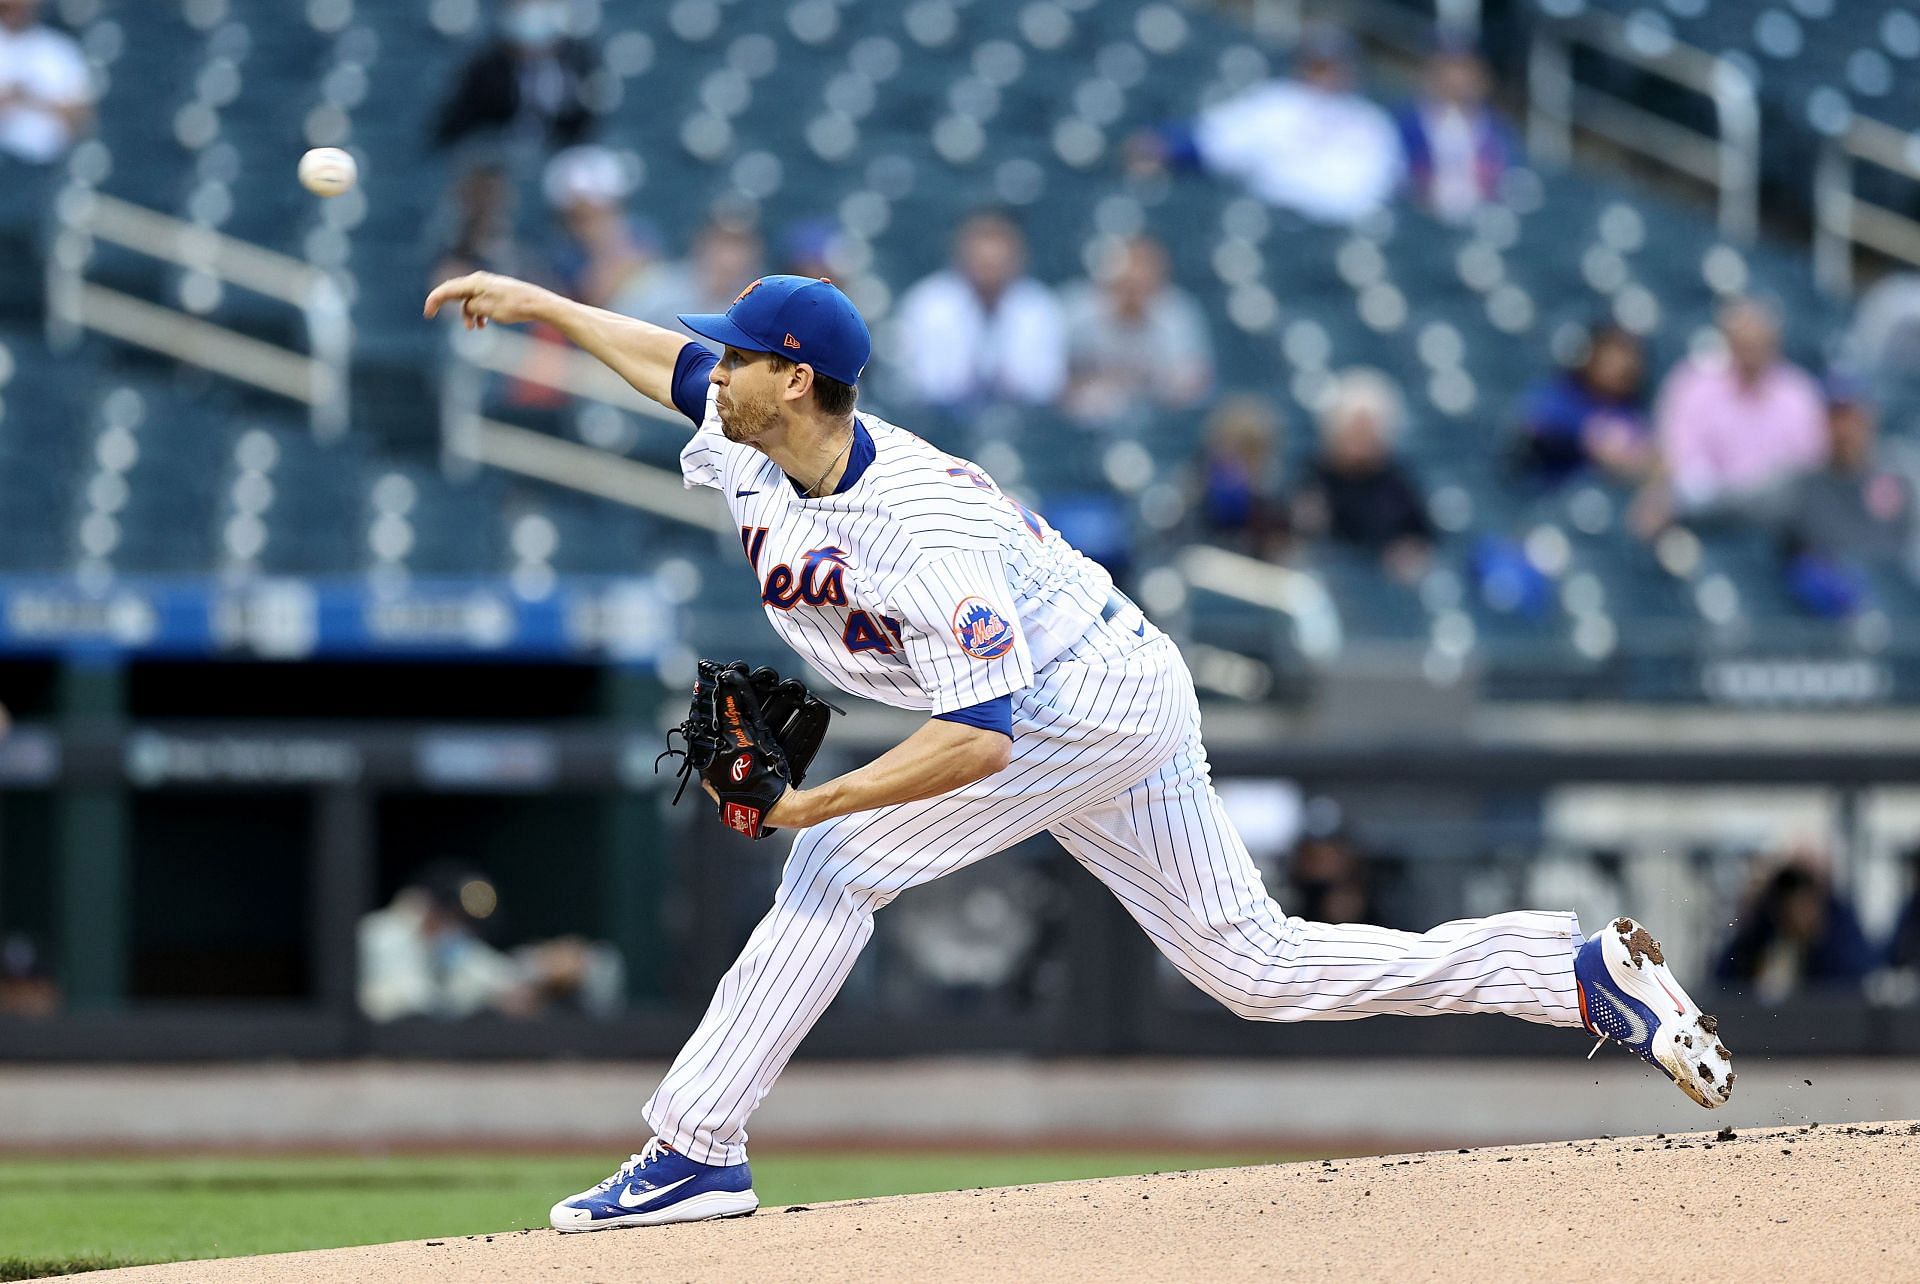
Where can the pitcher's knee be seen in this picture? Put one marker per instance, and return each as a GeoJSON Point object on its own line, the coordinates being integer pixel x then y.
{"type": "Point", "coordinates": [1274, 1009]}
{"type": "Point", "coordinates": [1252, 992]}
{"type": "Point", "coordinates": [1249, 1006]}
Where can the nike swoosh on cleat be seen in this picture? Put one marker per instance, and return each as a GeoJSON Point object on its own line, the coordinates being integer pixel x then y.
{"type": "Point", "coordinates": [630, 1198]}
{"type": "Point", "coordinates": [1636, 1024]}
{"type": "Point", "coordinates": [1677, 1009]}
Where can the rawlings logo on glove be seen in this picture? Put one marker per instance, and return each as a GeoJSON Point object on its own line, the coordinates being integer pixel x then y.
{"type": "Point", "coordinates": [749, 736]}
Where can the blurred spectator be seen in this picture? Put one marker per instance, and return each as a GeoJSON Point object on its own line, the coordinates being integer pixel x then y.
{"type": "Point", "coordinates": [1736, 425]}
{"type": "Point", "coordinates": [423, 956]}
{"type": "Point", "coordinates": [1136, 344]}
{"type": "Point", "coordinates": [1238, 502]}
{"type": "Point", "coordinates": [1327, 880]}
{"type": "Point", "coordinates": [991, 940]}
{"type": "Point", "coordinates": [1457, 147]}
{"type": "Point", "coordinates": [25, 988]}
{"type": "Point", "coordinates": [1885, 338]}
{"type": "Point", "coordinates": [1903, 947]}
{"type": "Point", "coordinates": [1591, 415]}
{"type": "Point", "coordinates": [526, 87]}
{"type": "Point", "coordinates": [808, 247]}
{"type": "Point", "coordinates": [1852, 516]}
{"type": "Point", "coordinates": [726, 256]}
{"type": "Point", "coordinates": [46, 92]}
{"type": "Point", "coordinates": [604, 258]}
{"type": "Point", "coordinates": [1312, 144]}
{"type": "Point", "coordinates": [474, 232]}
{"type": "Point", "coordinates": [1795, 933]}
{"type": "Point", "coordinates": [982, 331]}
{"type": "Point", "coordinates": [1359, 494]}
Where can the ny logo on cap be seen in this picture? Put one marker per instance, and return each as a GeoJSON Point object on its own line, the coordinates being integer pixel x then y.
{"type": "Point", "coordinates": [751, 287]}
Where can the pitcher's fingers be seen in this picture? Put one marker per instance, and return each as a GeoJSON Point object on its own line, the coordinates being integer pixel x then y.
{"type": "Point", "coordinates": [459, 287]}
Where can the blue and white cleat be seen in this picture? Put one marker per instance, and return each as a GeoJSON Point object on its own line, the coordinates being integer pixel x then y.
{"type": "Point", "coordinates": [1628, 995]}
{"type": "Point", "coordinates": [656, 1187]}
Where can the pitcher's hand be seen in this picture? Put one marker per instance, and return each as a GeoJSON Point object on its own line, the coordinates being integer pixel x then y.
{"type": "Point", "coordinates": [488, 296]}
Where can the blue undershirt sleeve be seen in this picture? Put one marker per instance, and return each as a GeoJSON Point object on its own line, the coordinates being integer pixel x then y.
{"type": "Point", "coordinates": [690, 370]}
{"type": "Point", "coordinates": [1180, 145]}
{"type": "Point", "coordinates": [989, 715]}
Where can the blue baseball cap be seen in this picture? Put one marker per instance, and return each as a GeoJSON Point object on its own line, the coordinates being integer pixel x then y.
{"type": "Point", "coordinates": [1847, 388]}
{"type": "Point", "coordinates": [800, 317]}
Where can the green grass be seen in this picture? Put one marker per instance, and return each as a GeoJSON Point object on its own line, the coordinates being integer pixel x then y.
{"type": "Point", "coordinates": [73, 1215]}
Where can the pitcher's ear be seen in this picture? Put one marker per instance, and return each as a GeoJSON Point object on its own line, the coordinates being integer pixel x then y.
{"type": "Point", "coordinates": [799, 381]}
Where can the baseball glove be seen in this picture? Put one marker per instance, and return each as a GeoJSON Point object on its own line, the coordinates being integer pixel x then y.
{"type": "Point", "coordinates": [750, 735]}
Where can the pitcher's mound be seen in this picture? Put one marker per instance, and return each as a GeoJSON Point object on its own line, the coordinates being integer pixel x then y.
{"type": "Point", "coordinates": [1800, 1203]}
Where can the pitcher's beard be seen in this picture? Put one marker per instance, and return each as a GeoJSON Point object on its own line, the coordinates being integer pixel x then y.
{"type": "Point", "coordinates": [745, 426]}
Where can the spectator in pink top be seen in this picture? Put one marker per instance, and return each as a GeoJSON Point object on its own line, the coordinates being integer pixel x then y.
{"type": "Point", "coordinates": [1734, 427]}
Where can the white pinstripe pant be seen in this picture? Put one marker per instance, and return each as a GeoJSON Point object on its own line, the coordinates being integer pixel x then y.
{"type": "Point", "coordinates": [1107, 756]}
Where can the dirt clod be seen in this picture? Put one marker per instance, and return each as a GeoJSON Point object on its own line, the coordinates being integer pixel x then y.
{"type": "Point", "coordinates": [1639, 942]}
{"type": "Point", "coordinates": [1709, 1024]}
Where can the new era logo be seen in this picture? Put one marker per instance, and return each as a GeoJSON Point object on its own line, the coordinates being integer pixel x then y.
{"type": "Point", "coordinates": [792, 342]}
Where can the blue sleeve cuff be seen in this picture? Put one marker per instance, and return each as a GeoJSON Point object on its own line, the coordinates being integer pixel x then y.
{"type": "Point", "coordinates": [690, 370]}
{"type": "Point", "coordinates": [1180, 145]}
{"type": "Point", "coordinates": [989, 715]}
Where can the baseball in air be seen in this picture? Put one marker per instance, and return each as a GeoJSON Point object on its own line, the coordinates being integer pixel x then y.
{"type": "Point", "coordinates": [328, 171]}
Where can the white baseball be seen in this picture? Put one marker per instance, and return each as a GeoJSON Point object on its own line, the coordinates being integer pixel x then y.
{"type": "Point", "coordinates": [328, 171]}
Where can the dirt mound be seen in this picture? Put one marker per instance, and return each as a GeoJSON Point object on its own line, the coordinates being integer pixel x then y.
{"type": "Point", "coordinates": [1773, 1204]}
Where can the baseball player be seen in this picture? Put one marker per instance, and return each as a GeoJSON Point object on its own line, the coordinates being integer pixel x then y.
{"type": "Point", "coordinates": [906, 575]}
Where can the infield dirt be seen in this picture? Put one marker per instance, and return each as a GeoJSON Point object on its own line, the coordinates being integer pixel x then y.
{"type": "Point", "coordinates": [1801, 1203]}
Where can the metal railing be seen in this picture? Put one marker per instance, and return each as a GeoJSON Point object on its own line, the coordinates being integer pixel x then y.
{"type": "Point", "coordinates": [1293, 594]}
{"type": "Point", "coordinates": [469, 439]}
{"type": "Point", "coordinates": [317, 378]}
{"type": "Point", "coordinates": [1558, 104]}
{"type": "Point", "coordinates": [1842, 219]}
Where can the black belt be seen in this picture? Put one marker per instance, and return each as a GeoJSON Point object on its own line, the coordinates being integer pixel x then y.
{"type": "Point", "coordinates": [1118, 602]}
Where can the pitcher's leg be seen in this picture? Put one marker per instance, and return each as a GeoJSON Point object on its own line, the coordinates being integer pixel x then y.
{"type": "Point", "coordinates": [1098, 720]}
{"type": "Point", "coordinates": [1168, 851]}
{"type": "Point", "coordinates": [798, 957]}
{"type": "Point", "coordinates": [792, 966]}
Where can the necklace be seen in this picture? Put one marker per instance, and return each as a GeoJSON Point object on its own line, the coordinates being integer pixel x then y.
{"type": "Point", "coordinates": [830, 466]}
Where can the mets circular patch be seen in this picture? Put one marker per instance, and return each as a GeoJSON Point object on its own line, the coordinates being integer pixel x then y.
{"type": "Point", "coordinates": [983, 632]}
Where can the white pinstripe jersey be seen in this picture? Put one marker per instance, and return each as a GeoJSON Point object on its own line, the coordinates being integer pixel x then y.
{"type": "Point", "coordinates": [922, 585]}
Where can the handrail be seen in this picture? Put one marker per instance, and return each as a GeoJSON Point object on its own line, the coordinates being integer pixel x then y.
{"type": "Point", "coordinates": [317, 377]}
{"type": "Point", "coordinates": [552, 365]}
{"type": "Point", "coordinates": [1557, 103]}
{"type": "Point", "coordinates": [243, 263]}
{"type": "Point", "coordinates": [1294, 594]}
{"type": "Point", "coordinates": [1842, 219]}
{"type": "Point", "coordinates": [597, 472]}
{"type": "Point", "coordinates": [469, 439]}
